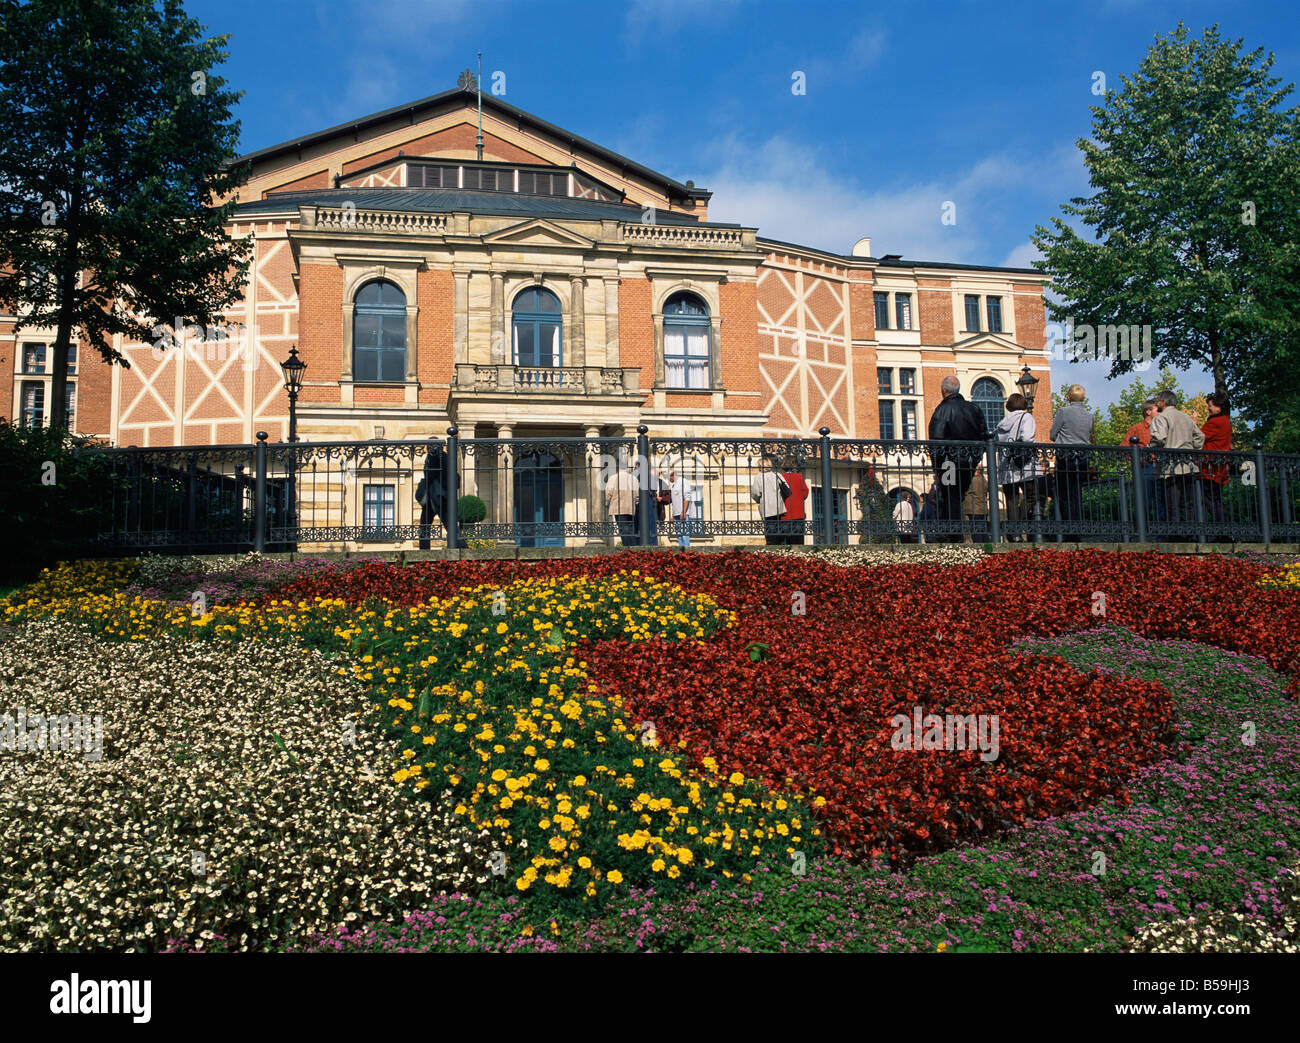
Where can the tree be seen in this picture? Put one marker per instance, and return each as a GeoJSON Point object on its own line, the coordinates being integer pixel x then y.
{"type": "Point", "coordinates": [1195, 222]}
{"type": "Point", "coordinates": [117, 135]}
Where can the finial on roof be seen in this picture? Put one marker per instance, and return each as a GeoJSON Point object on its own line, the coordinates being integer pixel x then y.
{"type": "Point", "coordinates": [468, 81]}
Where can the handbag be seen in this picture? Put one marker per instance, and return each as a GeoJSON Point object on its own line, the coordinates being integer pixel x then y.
{"type": "Point", "coordinates": [1020, 458]}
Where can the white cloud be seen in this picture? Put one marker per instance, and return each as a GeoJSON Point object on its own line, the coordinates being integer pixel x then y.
{"type": "Point", "coordinates": [648, 21]}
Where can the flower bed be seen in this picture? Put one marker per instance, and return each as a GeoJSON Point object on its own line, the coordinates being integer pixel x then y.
{"type": "Point", "coordinates": [239, 800]}
{"type": "Point", "coordinates": [673, 723]}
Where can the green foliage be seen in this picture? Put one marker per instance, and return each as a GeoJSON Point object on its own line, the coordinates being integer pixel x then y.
{"type": "Point", "coordinates": [117, 133]}
{"type": "Point", "coordinates": [1194, 227]}
{"type": "Point", "coordinates": [43, 523]}
{"type": "Point", "coordinates": [470, 510]}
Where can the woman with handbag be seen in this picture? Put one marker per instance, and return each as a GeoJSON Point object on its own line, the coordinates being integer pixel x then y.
{"type": "Point", "coordinates": [1019, 472]}
{"type": "Point", "coordinates": [770, 492]}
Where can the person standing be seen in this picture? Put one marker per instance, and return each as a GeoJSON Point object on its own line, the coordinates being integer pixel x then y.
{"type": "Point", "coordinates": [1174, 430]}
{"type": "Point", "coordinates": [1142, 432]}
{"type": "Point", "coordinates": [1018, 467]}
{"type": "Point", "coordinates": [432, 492]}
{"type": "Point", "coordinates": [904, 517]}
{"type": "Point", "coordinates": [1214, 472]}
{"type": "Point", "coordinates": [792, 520]}
{"type": "Point", "coordinates": [620, 501]}
{"type": "Point", "coordinates": [954, 420]}
{"type": "Point", "coordinates": [1072, 426]}
{"type": "Point", "coordinates": [681, 507]}
{"type": "Point", "coordinates": [927, 514]}
{"type": "Point", "coordinates": [770, 492]}
{"type": "Point", "coordinates": [975, 507]}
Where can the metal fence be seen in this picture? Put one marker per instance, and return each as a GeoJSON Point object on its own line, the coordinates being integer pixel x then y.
{"type": "Point", "coordinates": [677, 491]}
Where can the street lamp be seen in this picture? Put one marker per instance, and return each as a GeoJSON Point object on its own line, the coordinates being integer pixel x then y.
{"type": "Point", "coordinates": [293, 367]}
{"type": "Point", "coordinates": [1028, 385]}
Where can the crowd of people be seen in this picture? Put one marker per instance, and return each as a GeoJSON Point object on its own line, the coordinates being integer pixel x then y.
{"type": "Point", "coordinates": [1035, 485]}
{"type": "Point", "coordinates": [955, 506]}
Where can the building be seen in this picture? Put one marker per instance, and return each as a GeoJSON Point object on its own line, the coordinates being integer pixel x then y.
{"type": "Point", "coordinates": [541, 285]}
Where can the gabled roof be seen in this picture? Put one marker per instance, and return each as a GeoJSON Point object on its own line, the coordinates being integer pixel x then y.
{"type": "Point", "coordinates": [524, 119]}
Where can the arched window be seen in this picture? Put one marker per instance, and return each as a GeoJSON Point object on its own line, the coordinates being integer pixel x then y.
{"type": "Point", "coordinates": [987, 395]}
{"type": "Point", "coordinates": [686, 342]}
{"type": "Point", "coordinates": [536, 327]}
{"type": "Point", "coordinates": [379, 333]}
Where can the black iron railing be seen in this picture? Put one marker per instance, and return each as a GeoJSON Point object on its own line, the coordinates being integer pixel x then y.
{"type": "Point", "coordinates": [567, 491]}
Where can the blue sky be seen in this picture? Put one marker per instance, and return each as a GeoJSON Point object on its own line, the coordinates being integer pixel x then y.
{"type": "Point", "coordinates": [907, 105]}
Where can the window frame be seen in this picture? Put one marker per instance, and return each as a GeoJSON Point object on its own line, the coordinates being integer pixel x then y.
{"type": "Point", "coordinates": [38, 389]}
{"type": "Point", "coordinates": [690, 364]}
{"type": "Point", "coordinates": [901, 301]}
{"type": "Point", "coordinates": [908, 387]}
{"type": "Point", "coordinates": [985, 404]}
{"type": "Point", "coordinates": [536, 320]}
{"type": "Point", "coordinates": [881, 300]}
{"type": "Point", "coordinates": [992, 306]}
{"type": "Point", "coordinates": [384, 504]}
{"type": "Point", "coordinates": [887, 408]}
{"type": "Point", "coordinates": [380, 311]}
{"type": "Point", "coordinates": [885, 387]}
{"type": "Point", "coordinates": [903, 425]}
{"type": "Point", "coordinates": [973, 309]}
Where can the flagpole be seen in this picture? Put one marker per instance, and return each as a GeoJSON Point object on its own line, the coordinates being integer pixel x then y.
{"type": "Point", "coordinates": [479, 85]}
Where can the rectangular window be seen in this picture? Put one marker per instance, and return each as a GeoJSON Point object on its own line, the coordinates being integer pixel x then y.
{"type": "Point", "coordinates": [686, 355]}
{"type": "Point", "coordinates": [972, 313]}
{"type": "Point", "coordinates": [33, 358]}
{"type": "Point", "coordinates": [995, 314]}
{"type": "Point", "coordinates": [33, 403]}
{"type": "Point", "coordinates": [885, 381]}
{"type": "Point", "coordinates": [72, 358]}
{"type": "Point", "coordinates": [909, 421]}
{"type": "Point", "coordinates": [907, 382]}
{"type": "Point", "coordinates": [903, 309]}
{"type": "Point", "coordinates": [69, 403]}
{"type": "Point", "coordinates": [882, 311]}
{"type": "Point", "coordinates": [886, 418]}
{"type": "Point", "coordinates": [378, 510]}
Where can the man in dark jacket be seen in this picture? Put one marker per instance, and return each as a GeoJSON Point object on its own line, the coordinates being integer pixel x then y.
{"type": "Point", "coordinates": [954, 420]}
{"type": "Point", "coordinates": [434, 500]}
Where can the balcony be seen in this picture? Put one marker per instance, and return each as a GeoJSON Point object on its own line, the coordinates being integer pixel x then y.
{"type": "Point", "coordinates": [547, 380]}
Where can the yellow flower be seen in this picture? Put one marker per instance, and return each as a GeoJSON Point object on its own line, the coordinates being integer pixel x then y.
{"type": "Point", "coordinates": [614, 877]}
{"type": "Point", "coordinates": [584, 862]}
{"type": "Point", "coordinates": [541, 764]}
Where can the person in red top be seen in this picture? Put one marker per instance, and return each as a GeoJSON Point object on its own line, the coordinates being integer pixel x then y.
{"type": "Point", "coordinates": [1214, 472]}
{"type": "Point", "coordinates": [794, 505]}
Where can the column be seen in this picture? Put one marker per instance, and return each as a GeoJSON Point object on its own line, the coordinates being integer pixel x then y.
{"type": "Point", "coordinates": [499, 353]}
{"type": "Point", "coordinates": [595, 498]}
{"type": "Point", "coordinates": [715, 352]}
{"type": "Point", "coordinates": [577, 322]}
{"type": "Point", "coordinates": [611, 322]}
{"type": "Point", "coordinates": [659, 348]}
{"type": "Point", "coordinates": [460, 310]}
{"type": "Point", "coordinates": [505, 476]}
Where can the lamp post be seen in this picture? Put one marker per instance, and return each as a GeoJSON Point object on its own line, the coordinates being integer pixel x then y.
{"type": "Point", "coordinates": [293, 367]}
{"type": "Point", "coordinates": [1028, 385]}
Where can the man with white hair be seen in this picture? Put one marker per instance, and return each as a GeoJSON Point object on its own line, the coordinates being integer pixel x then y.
{"type": "Point", "coordinates": [1072, 425]}
{"type": "Point", "coordinates": [954, 420]}
{"type": "Point", "coordinates": [1171, 428]}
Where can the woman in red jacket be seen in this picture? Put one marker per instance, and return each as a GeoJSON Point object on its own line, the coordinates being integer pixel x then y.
{"type": "Point", "coordinates": [1214, 471]}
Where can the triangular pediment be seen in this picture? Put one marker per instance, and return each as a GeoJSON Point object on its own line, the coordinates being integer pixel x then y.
{"type": "Point", "coordinates": [539, 232]}
{"type": "Point", "coordinates": [986, 341]}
